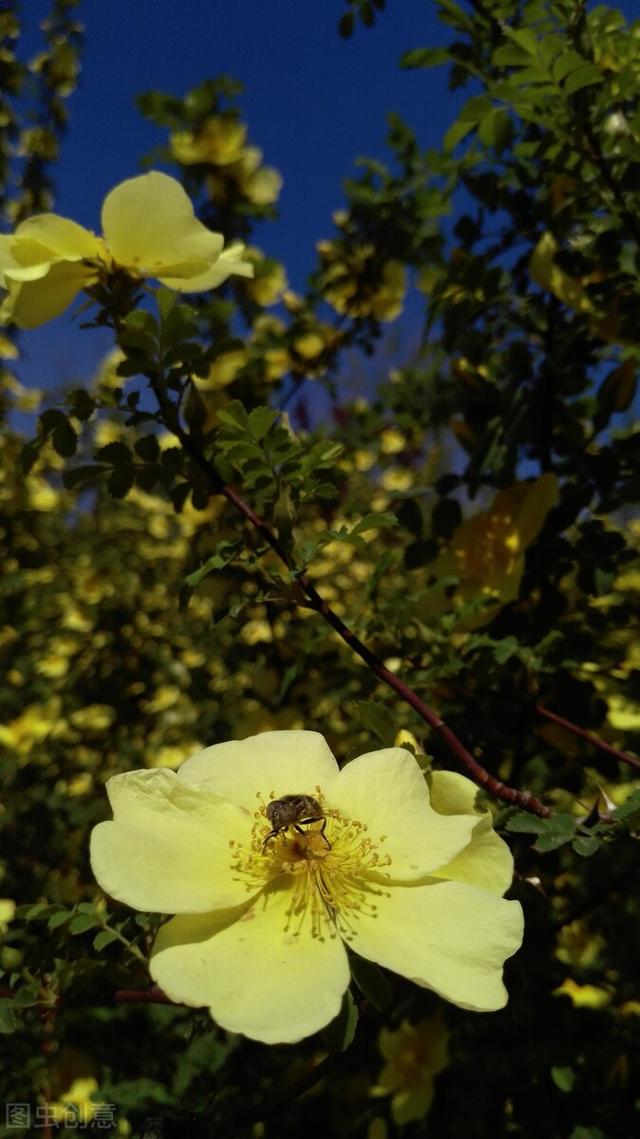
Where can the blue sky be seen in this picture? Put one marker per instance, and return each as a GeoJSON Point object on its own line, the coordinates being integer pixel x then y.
{"type": "Point", "coordinates": [313, 103]}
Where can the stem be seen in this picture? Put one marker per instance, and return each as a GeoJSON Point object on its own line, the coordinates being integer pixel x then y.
{"type": "Point", "coordinates": [494, 786]}
{"type": "Point", "coordinates": [589, 737]}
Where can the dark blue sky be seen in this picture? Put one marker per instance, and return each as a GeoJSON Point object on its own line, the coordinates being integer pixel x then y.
{"type": "Point", "coordinates": [313, 103]}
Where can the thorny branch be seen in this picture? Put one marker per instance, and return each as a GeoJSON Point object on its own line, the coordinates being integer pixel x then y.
{"type": "Point", "coordinates": [479, 774]}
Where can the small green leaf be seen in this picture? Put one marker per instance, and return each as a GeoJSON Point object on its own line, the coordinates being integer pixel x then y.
{"type": "Point", "coordinates": [27, 996]}
{"type": "Point", "coordinates": [377, 719]}
{"type": "Point", "coordinates": [120, 481]}
{"type": "Point", "coordinates": [56, 920]}
{"type": "Point", "coordinates": [7, 1017]}
{"type": "Point", "coordinates": [425, 57]}
{"type": "Point", "coordinates": [524, 823]}
{"type": "Point", "coordinates": [586, 844]}
{"type": "Point", "coordinates": [563, 1078]}
{"type": "Point", "coordinates": [338, 1035]}
{"type": "Point", "coordinates": [117, 454]}
{"type": "Point", "coordinates": [371, 981]}
{"type": "Point", "coordinates": [104, 938]}
{"type": "Point", "coordinates": [558, 830]}
{"type": "Point", "coordinates": [234, 415]}
{"type": "Point", "coordinates": [147, 448]}
{"type": "Point", "coordinates": [261, 420]}
{"type": "Point", "coordinates": [79, 476]}
{"type": "Point", "coordinates": [82, 922]}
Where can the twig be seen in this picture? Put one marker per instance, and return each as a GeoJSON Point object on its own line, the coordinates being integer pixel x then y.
{"type": "Point", "coordinates": [494, 786]}
{"type": "Point", "coordinates": [589, 737]}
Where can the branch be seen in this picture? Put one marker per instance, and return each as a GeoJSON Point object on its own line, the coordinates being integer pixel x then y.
{"type": "Point", "coordinates": [479, 774]}
{"type": "Point", "coordinates": [589, 737]}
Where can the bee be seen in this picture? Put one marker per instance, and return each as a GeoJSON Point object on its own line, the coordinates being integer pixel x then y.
{"type": "Point", "coordinates": [295, 811]}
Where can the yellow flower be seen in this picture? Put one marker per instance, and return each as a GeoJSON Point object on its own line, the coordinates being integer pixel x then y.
{"type": "Point", "coordinates": [262, 918]}
{"type": "Point", "coordinates": [218, 142]}
{"type": "Point", "coordinates": [583, 996]}
{"type": "Point", "coordinates": [150, 230]}
{"type": "Point", "coordinates": [415, 1053]}
{"type": "Point", "coordinates": [486, 552]}
{"type": "Point", "coordinates": [75, 1106]}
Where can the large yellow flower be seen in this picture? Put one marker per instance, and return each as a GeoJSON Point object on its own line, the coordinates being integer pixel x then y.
{"type": "Point", "coordinates": [405, 879]}
{"type": "Point", "coordinates": [150, 230]}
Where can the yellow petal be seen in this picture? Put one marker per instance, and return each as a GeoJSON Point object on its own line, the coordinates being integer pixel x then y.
{"type": "Point", "coordinates": [412, 1103]}
{"type": "Point", "coordinates": [31, 303]}
{"type": "Point", "coordinates": [487, 860]}
{"type": "Point", "coordinates": [229, 262]}
{"type": "Point", "coordinates": [167, 849]}
{"type": "Point", "coordinates": [386, 791]}
{"type": "Point", "coordinates": [56, 236]}
{"type": "Point", "coordinates": [282, 763]}
{"type": "Point", "coordinates": [447, 936]}
{"type": "Point", "coordinates": [261, 972]}
{"type": "Point", "coordinates": [150, 227]}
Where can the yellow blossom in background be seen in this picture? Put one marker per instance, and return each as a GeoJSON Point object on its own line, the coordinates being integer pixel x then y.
{"type": "Point", "coordinates": [578, 946]}
{"type": "Point", "coordinates": [414, 1054]}
{"type": "Point", "coordinates": [583, 996]}
{"type": "Point", "coordinates": [263, 914]}
{"type": "Point", "coordinates": [486, 552]}
{"type": "Point", "coordinates": [347, 288]}
{"type": "Point", "coordinates": [150, 230]}
{"type": "Point", "coordinates": [269, 279]}
{"type": "Point", "coordinates": [260, 184]}
{"type": "Point", "coordinates": [219, 141]}
{"type": "Point", "coordinates": [75, 1106]}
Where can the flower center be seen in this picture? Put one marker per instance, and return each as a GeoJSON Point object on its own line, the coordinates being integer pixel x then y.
{"type": "Point", "coordinates": [331, 868]}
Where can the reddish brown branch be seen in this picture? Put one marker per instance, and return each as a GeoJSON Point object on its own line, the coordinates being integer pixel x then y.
{"type": "Point", "coordinates": [154, 995]}
{"type": "Point", "coordinates": [478, 773]}
{"type": "Point", "coordinates": [588, 737]}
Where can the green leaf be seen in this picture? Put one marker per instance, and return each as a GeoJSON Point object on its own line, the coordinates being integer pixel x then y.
{"type": "Point", "coordinates": [586, 844]}
{"type": "Point", "coordinates": [80, 403]}
{"type": "Point", "coordinates": [584, 76]}
{"type": "Point", "coordinates": [79, 476]}
{"type": "Point", "coordinates": [456, 133]}
{"type": "Point", "coordinates": [372, 982]}
{"type": "Point", "coordinates": [261, 420]}
{"type": "Point", "coordinates": [120, 481]}
{"type": "Point", "coordinates": [630, 807]}
{"type": "Point", "coordinates": [558, 830]}
{"type": "Point", "coordinates": [147, 448]}
{"type": "Point", "coordinates": [235, 415]}
{"type": "Point", "coordinates": [223, 556]}
{"type": "Point", "coordinates": [425, 57]}
{"type": "Point", "coordinates": [27, 996]}
{"type": "Point", "coordinates": [563, 1078]}
{"type": "Point", "coordinates": [56, 920]}
{"type": "Point", "coordinates": [82, 922]}
{"type": "Point", "coordinates": [382, 521]}
{"type": "Point", "coordinates": [338, 1035]}
{"type": "Point", "coordinates": [104, 938]}
{"type": "Point", "coordinates": [7, 1017]}
{"type": "Point", "coordinates": [116, 454]}
{"type": "Point", "coordinates": [475, 109]}
{"type": "Point", "coordinates": [524, 823]}
{"type": "Point", "coordinates": [377, 719]}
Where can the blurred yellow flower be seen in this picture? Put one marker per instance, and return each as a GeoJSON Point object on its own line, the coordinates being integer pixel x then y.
{"type": "Point", "coordinates": [219, 141]}
{"type": "Point", "coordinates": [75, 1107]}
{"type": "Point", "coordinates": [264, 911]}
{"type": "Point", "coordinates": [415, 1054]}
{"type": "Point", "coordinates": [150, 230]}
{"type": "Point", "coordinates": [486, 552]}
{"type": "Point", "coordinates": [583, 996]}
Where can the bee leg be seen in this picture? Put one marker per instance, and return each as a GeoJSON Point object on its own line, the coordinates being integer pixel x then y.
{"type": "Point", "coordinates": [322, 830]}
{"type": "Point", "coordinates": [272, 834]}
